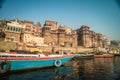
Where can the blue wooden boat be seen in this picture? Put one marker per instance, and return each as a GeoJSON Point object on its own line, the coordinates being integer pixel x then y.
{"type": "Point", "coordinates": [12, 62]}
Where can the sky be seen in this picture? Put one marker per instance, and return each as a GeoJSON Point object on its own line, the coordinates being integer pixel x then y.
{"type": "Point", "coordinates": [102, 16]}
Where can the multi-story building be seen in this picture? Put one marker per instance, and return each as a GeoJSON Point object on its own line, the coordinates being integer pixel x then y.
{"type": "Point", "coordinates": [106, 41]}
{"type": "Point", "coordinates": [67, 37]}
{"type": "Point", "coordinates": [25, 32]}
{"type": "Point", "coordinates": [55, 35]}
{"type": "Point", "coordinates": [88, 38]}
{"type": "Point", "coordinates": [13, 30]}
{"type": "Point", "coordinates": [51, 34]}
{"type": "Point", "coordinates": [99, 40]}
{"type": "Point", "coordinates": [83, 36]}
{"type": "Point", "coordinates": [31, 34]}
{"type": "Point", "coordinates": [53, 24]}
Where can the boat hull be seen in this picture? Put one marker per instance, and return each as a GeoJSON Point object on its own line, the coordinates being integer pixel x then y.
{"type": "Point", "coordinates": [25, 64]}
{"type": "Point", "coordinates": [103, 56]}
{"type": "Point", "coordinates": [84, 55]}
{"type": "Point", "coordinates": [36, 62]}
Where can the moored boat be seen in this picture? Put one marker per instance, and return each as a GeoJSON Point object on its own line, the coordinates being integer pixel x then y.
{"type": "Point", "coordinates": [103, 56]}
{"type": "Point", "coordinates": [83, 55]}
{"type": "Point", "coordinates": [12, 62]}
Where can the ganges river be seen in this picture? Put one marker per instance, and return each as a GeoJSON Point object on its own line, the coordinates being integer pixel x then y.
{"type": "Point", "coordinates": [80, 69]}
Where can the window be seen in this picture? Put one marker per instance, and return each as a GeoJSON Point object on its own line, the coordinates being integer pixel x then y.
{"type": "Point", "coordinates": [19, 30]}
{"type": "Point", "coordinates": [11, 28]}
{"type": "Point", "coordinates": [14, 29]}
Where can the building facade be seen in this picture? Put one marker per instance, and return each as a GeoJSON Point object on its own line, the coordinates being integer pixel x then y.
{"type": "Point", "coordinates": [62, 36]}
{"type": "Point", "coordinates": [89, 38]}
{"type": "Point", "coordinates": [32, 34]}
{"type": "Point", "coordinates": [23, 32]}
{"type": "Point", "coordinates": [13, 30]}
{"type": "Point", "coordinates": [51, 34]}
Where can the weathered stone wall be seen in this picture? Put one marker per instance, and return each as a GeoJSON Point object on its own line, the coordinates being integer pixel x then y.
{"type": "Point", "coordinates": [88, 38]}
{"type": "Point", "coordinates": [71, 49]}
{"type": "Point", "coordinates": [15, 37]}
{"type": "Point", "coordinates": [7, 45]}
{"type": "Point", "coordinates": [53, 24]}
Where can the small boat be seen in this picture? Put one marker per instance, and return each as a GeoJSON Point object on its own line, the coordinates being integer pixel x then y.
{"type": "Point", "coordinates": [84, 55]}
{"type": "Point", "coordinates": [103, 56]}
{"type": "Point", "coordinates": [13, 62]}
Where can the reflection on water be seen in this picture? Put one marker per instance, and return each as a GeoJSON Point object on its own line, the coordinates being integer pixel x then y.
{"type": "Point", "coordinates": [97, 69]}
{"type": "Point", "coordinates": [82, 69]}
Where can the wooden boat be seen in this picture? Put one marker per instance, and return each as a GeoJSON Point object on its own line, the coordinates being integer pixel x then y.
{"type": "Point", "coordinates": [12, 62]}
{"type": "Point", "coordinates": [103, 56]}
{"type": "Point", "coordinates": [84, 55]}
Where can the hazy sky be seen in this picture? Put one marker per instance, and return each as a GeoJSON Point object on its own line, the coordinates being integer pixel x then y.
{"type": "Point", "coordinates": [102, 16]}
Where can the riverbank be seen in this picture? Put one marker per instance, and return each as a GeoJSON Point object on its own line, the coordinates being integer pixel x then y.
{"type": "Point", "coordinates": [6, 46]}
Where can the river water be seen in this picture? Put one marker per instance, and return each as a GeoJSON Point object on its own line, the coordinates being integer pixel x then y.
{"type": "Point", "coordinates": [80, 69]}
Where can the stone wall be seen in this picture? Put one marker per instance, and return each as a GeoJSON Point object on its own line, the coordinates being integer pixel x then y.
{"type": "Point", "coordinates": [7, 45]}
{"type": "Point", "coordinates": [71, 49]}
{"type": "Point", "coordinates": [53, 24]}
{"type": "Point", "coordinates": [14, 37]}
